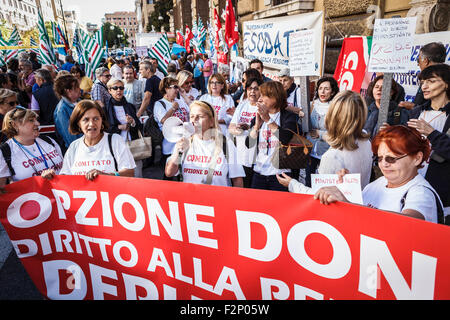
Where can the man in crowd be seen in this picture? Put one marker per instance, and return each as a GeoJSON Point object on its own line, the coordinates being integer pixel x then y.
{"type": "Point", "coordinates": [100, 93]}
{"type": "Point", "coordinates": [189, 66]}
{"type": "Point", "coordinates": [69, 63]}
{"type": "Point", "coordinates": [258, 65]}
{"type": "Point", "coordinates": [26, 78]}
{"type": "Point", "coordinates": [158, 73]}
{"type": "Point", "coordinates": [198, 76]}
{"type": "Point", "coordinates": [430, 54]}
{"type": "Point", "coordinates": [151, 91]}
{"type": "Point", "coordinates": [134, 89]}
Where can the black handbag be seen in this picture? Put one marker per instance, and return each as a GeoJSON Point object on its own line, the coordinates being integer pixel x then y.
{"type": "Point", "coordinates": [151, 129]}
{"type": "Point", "coordinates": [294, 155]}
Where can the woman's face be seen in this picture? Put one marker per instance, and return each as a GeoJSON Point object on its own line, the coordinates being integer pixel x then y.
{"type": "Point", "coordinates": [91, 123]}
{"type": "Point", "coordinates": [187, 85]}
{"type": "Point", "coordinates": [29, 129]}
{"type": "Point", "coordinates": [200, 119]}
{"type": "Point", "coordinates": [117, 91]}
{"type": "Point", "coordinates": [377, 88]}
{"type": "Point", "coordinates": [216, 86]}
{"type": "Point", "coordinates": [73, 94]}
{"type": "Point", "coordinates": [324, 91]}
{"type": "Point", "coordinates": [172, 91]}
{"type": "Point", "coordinates": [402, 170]}
{"type": "Point", "coordinates": [76, 75]}
{"type": "Point", "coordinates": [8, 104]}
{"type": "Point", "coordinates": [267, 101]}
{"type": "Point", "coordinates": [433, 87]}
{"type": "Point", "coordinates": [8, 84]}
{"type": "Point", "coordinates": [253, 93]}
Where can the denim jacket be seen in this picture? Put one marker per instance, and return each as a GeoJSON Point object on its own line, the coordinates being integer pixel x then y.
{"type": "Point", "coordinates": [62, 114]}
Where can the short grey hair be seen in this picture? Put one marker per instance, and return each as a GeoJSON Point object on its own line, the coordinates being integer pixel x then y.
{"type": "Point", "coordinates": [44, 74]}
{"type": "Point", "coordinates": [148, 65]}
{"type": "Point", "coordinates": [100, 71]}
{"type": "Point", "coordinates": [26, 62]}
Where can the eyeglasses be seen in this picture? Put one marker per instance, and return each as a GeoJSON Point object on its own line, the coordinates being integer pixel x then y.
{"type": "Point", "coordinates": [389, 159]}
{"type": "Point", "coordinates": [117, 88]}
{"type": "Point", "coordinates": [215, 82]}
{"type": "Point", "coordinates": [253, 88]}
{"type": "Point", "coordinates": [174, 87]}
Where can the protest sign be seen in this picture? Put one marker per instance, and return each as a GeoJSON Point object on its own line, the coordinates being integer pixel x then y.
{"type": "Point", "coordinates": [409, 80]}
{"type": "Point", "coordinates": [391, 44]}
{"type": "Point", "coordinates": [268, 39]}
{"type": "Point", "coordinates": [154, 239]}
{"type": "Point", "coordinates": [303, 59]}
{"type": "Point", "coordinates": [350, 187]}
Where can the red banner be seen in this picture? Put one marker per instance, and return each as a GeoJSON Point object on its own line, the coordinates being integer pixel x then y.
{"type": "Point", "coordinates": [352, 63]}
{"type": "Point", "coordinates": [127, 238]}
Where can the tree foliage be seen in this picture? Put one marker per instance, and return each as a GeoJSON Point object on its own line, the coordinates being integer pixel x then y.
{"type": "Point", "coordinates": [162, 9]}
{"type": "Point", "coordinates": [110, 34]}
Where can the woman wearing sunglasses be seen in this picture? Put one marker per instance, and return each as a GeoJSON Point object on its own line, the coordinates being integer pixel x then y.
{"type": "Point", "coordinates": [29, 155]}
{"type": "Point", "coordinates": [401, 152]}
{"type": "Point", "coordinates": [121, 116]}
{"type": "Point", "coordinates": [169, 106]}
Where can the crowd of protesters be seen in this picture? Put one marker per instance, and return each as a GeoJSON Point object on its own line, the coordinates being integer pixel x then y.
{"type": "Point", "coordinates": [404, 164]}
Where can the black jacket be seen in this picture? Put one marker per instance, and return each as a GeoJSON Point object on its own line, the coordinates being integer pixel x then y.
{"type": "Point", "coordinates": [438, 173]}
{"type": "Point", "coordinates": [288, 124]}
{"type": "Point", "coordinates": [48, 101]}
{"type": "Point", "coordinates": [114, 122]}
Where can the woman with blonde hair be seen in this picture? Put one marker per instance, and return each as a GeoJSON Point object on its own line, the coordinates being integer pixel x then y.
{"type": "Point", "coordinates": [220, 100]}
{"type": "Point", "coordinates": [204, 158]}
{"type": "Point", "coordinates": [350, 147]}
{"type": "Point", "coordinates": [8, 101]}
{"type": "Point", "coordinates": [185, 82]}
{"type": "Point", "coordinates": [25, 154]}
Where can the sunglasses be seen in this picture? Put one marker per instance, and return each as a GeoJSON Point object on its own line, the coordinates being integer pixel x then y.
{"type": "Point", "coordinates": [107, 75]}
{"type": "Point", "coordinates": [12, 103]}
{"type": "Point", "coordinates": [389, 159]}
{"type": "Point", "coordinates": [174, 87]}
{"type": "Point", "coordinates": [117, 88]}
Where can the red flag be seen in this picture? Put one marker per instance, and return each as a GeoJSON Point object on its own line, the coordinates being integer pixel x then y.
{"type": "Point", "coordinates": [188, 38]}
{"type": "Point", "coordinates": [180, 38]}
{"type": "Point", "coordinates": [217, 27]}
{"type": "Point", "coordinates": [231, 29]}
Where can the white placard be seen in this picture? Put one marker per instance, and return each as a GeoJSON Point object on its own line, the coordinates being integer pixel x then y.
{"type": "Point", "coordinates": [392, 42]}
{"type": "Point", "coordinates": [268, 39]}
{"type": "Point", "coordinates": [304, 60]}
{"type": "Point", "coordinates": [351, 187]}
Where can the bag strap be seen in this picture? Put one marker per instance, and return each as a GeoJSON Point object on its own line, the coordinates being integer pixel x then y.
{"type": "Point", "coordinates": [440, 210]}
{"type": "Point", "coordinates": [6, 151]}
{"type": "Point", "coordinates": [47, 139]}
{"type": "Point", "coordinates": [111, 150]}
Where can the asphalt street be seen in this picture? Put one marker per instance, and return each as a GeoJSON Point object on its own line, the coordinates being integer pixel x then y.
{"type": "Point", "coordinates": [15, 284]}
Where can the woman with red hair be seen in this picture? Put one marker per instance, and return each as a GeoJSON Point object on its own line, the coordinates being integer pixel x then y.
{"type": "Point", "coordinates": [400, 151]}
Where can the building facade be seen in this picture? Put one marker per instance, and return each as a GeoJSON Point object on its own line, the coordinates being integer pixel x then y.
{"type": "Point", "coordinates": [343, 18]}
{"type": "Point", "coordinates": [23, 14]}
{"type": "Point", "coordinates": [143, 10]}
{"type": "Point", "coordinates": [127, 22]}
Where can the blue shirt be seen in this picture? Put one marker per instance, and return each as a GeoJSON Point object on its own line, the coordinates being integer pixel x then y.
{"type": "Point", "coordinates": [197, 72]}
{"type": "Point", "coordinates": [67, 66]}
{"type": "Point", "coordinates": [62, 114]}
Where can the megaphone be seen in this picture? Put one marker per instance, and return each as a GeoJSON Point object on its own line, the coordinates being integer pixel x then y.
{"type": "Point", "coordinates": [174, 129]}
